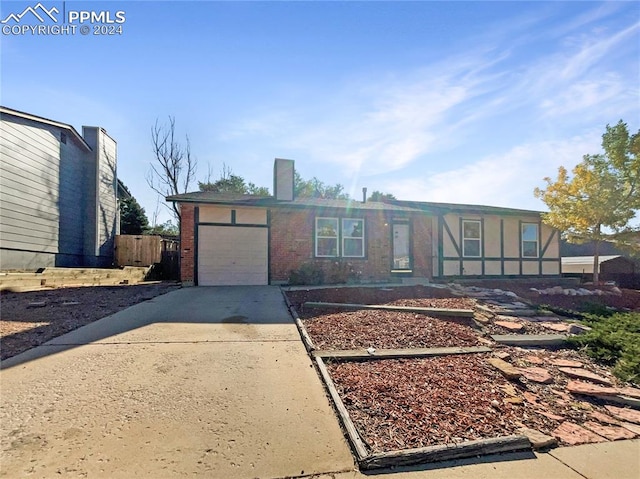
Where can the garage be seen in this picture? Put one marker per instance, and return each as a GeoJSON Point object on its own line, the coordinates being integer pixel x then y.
{"type": "Point", "coordinates": [232, 255]}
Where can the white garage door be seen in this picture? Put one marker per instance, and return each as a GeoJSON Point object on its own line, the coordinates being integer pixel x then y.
{"type": "Point", "coordinates": [232, 255]}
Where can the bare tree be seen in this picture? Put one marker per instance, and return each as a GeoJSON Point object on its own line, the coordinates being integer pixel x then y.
{"type": "Point", "coordinates": [174, 168]}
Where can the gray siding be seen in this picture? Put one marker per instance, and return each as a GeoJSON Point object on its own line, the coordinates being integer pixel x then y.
{"type": "Point", "coordinates": [90, 205]}
{"type": "Point", "coordinates": [107, 192]}
{"type": "Point", "coordinates": [102, 190]}
{"type": "Point", "coordinates": [44, 190]}
{"type": "Point", "coordinates": [29, 217]}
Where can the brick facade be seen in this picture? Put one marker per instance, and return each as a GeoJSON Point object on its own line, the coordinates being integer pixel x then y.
{"type": "Point", "coordinates": [187, 243]}
{"type": "Point", "coordinates": [292, 244]}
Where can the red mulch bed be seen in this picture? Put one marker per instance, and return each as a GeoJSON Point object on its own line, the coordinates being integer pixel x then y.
{"type": "Point", "coordinates": [366, 295]}
{"type": "Point", "coordinates": [339, 329]}
{"type": "Point", "coordinates": [402, 404]}
{"type": "Point", "coordinates": [412, 403]}
{"type": "Point", "coordinates": [386, 329]}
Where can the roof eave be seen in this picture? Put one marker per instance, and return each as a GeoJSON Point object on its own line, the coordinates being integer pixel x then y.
{"type": "Point", "coordinates": [46, 121]}
{"type": "Point", "coordinates": [271, 202]}
{"type": "Point", "coordinates": [443, 208]}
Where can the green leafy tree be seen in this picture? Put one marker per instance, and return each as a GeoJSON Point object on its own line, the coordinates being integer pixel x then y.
{"type": "Point", "coordinates": [230, 183]}
{"type": "Point", "coordinates": [380, 196]}
{"type": "Point", "coordinates": [314, 188]}
{"type": "Point", "coordinates": [600, 200]}
{"type": "Point", "coordinates": [133, 219]}
{"type": "Point", "coordinates": [165, 229]}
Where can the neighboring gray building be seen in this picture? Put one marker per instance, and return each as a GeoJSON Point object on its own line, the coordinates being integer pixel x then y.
{"type": "Point", "coordinates": [58, 193]}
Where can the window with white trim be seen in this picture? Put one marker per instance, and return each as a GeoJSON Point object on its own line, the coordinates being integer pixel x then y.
{"type": "Point", "coordinates": [471, 234]}
{"type": "Point", "coordinates": [327, 237]}
{"type": "Point", "coordinates": [529, 233]}
{"type": "Point", "coordinates": [352, 238]}
{"type": "Point", "coordinates": [337, 237]}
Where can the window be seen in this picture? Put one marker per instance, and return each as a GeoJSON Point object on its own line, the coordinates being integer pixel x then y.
{"type": "Point", "coordinates": [352, 238]}
{"type": "Point", "coordinates": [333, 242]}
{"type": "Point", "coordinates": [471, 239]}
{"type": "Point", "coordinates": [327, 237]}
{"type": "Point", "coordinates": [63, 137]}
{"type": "Point", "coordinates": [529, 240]}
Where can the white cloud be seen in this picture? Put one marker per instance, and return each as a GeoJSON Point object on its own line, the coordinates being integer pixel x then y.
{"type": "Point", "coordinates": [588, 78]}
{"type": "Point", "coordinates": [609, 94]}
{"type": "Point", "coordinates": [593, 49]}
{"type": "Point", "coordinates": [506, 180]}
{"type": "Point", "coordinates": [500, 93]}
{"type": "Point", "coordinates": [384, 124]}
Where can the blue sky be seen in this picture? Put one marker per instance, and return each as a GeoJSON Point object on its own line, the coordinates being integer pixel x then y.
{"type": "Point", "coordinates": [466, 102]}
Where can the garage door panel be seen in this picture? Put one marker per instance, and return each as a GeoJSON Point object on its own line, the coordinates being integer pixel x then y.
{"type": "Point", "coordinates": [232, 255]}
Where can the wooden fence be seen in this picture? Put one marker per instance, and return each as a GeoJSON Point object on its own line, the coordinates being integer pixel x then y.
{"type": "Point", "coordinates": [138, 250]}
{"type": "Point", "coordinates": [149, 250]}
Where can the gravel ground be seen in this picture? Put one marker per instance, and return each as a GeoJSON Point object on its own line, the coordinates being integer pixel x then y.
{"type": "Point", "coordinates": [32, 318]}
{"type": "Point", "coordinates": [528, 327]}
{"type": "Point", "coordinates": [629, 299]}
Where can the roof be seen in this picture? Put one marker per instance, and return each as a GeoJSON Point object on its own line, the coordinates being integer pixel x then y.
{"type": "Point", "coordinates": [443, 208]}
{"type": "Point", "coordinates": [123, 191]}
{"type": "Point", "coordinates": [211, 197]}
{"type": "Point", "coordinates": [587, 260]}
{"type": "Point", "coordinates": [388, 205]}
{"type": "Point", "coordinates": [46, 121]}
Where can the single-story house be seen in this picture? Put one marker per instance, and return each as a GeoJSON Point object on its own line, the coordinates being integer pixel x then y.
{"type": "Point", "coordinates": [58, 193]}
{"type": "Point", "coordinates": [244, 239]}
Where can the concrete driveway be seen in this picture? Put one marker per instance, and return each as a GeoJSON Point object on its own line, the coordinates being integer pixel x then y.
{"type": "Point", "coordinates": [212, 382]}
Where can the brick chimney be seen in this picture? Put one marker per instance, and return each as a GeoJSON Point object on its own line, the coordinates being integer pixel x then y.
{"type": "Point", "coordinates": [283, 175]}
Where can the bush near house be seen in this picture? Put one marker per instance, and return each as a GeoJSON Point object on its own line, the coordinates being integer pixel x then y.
{"type": "Point", "coordinates": [308, 274]}
{"type": "Point", "coordinates": [334, 272]}
{"type": "Point", "coordinates": [615, 340]}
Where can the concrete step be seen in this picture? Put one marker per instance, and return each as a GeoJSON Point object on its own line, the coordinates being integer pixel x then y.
{"type": "Point", "coordinates": [548, 340]}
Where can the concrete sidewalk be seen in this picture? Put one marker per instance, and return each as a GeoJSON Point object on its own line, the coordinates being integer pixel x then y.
{"type": "Point", "coordinates": [612, 460]}
{"type": "Point", "coordinates": [212, 382]}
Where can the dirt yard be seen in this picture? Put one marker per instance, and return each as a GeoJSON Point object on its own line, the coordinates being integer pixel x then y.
{"type": "Point", "coordinates": [32, 318]}
{"type": "Point", "coordinates": [412, 403]}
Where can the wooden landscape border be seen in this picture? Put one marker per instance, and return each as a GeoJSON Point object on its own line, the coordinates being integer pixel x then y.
{"type": "Point", "coordinates": [306, 339]}
{"type": "Point", "coordinates": [406, 353]}
{"type": "Point", "coordinates": [438, 312]}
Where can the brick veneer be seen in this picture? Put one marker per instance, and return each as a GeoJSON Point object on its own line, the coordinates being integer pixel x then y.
{"type": "Point", "coordinates": [292, 243]}
{"type": "Point", "coordinates": [187, 243]}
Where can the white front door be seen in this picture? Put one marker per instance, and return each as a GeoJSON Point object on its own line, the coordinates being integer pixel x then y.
{"type": "Point", "coordinates": [401, 247]}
